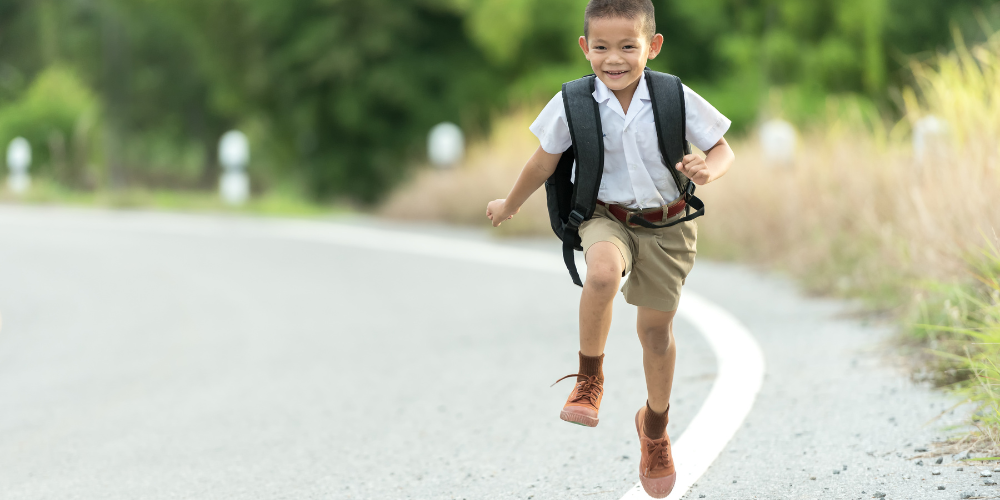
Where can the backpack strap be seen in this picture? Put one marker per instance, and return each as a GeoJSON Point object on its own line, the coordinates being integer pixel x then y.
{"type": "Point", "coordinates": [666, 95]}
{"type": "Point", "coordinates": [583, 117]}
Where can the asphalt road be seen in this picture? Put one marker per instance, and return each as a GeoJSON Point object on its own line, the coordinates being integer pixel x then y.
{"type": "Point", "coordinates": [141, 359]}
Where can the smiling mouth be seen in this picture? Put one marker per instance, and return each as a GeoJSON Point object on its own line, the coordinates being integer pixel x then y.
{"type": "Point", "coordinates": [615, 74]}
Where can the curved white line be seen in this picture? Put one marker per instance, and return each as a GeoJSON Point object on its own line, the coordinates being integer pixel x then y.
{"type": "Point", "coordinates": [740, 359]}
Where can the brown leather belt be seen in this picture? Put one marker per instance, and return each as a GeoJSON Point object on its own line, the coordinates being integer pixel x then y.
{"type": "Point", "coordinates": [654, 215]}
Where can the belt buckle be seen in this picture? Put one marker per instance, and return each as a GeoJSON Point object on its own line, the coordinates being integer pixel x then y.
{"type": "Point", "coordinates": [629, 214]}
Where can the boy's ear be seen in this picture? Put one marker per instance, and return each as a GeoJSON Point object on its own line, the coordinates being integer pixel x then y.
{"type": "Point", "coordinates": [655, 45]}
{"type": "Point", "coordinates": [586, 47]}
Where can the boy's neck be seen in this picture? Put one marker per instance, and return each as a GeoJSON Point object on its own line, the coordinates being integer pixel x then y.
{"type": "Point", "coordinates": [625, 95]}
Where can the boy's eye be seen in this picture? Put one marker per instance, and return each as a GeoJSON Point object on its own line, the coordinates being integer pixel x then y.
{"type": "Point", "coordinates": [629, 47]}
{"type": "Point", "coordinates": [599, 47]}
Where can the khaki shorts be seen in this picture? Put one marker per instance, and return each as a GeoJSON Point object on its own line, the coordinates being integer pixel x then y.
{"type": "Point", "coordinates": [657, 261]}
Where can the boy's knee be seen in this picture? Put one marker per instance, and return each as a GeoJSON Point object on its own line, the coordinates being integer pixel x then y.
{"type": "Point", "coordinates": [603, 278]}
{"type": "Point", "coordinates": [656, 339]}
{"type": "Point", "coordinates": [604, 267]}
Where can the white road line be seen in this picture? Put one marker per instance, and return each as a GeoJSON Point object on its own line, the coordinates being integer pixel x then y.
{"type": "Point", "coordinates": [740, 359]}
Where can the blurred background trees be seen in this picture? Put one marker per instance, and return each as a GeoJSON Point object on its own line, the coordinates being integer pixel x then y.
{"type": "Point", "coordinates": [337, 95]}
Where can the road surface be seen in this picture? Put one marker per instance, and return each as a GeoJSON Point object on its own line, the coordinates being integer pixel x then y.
{"type": "Point", "coordinates": [149, 355]}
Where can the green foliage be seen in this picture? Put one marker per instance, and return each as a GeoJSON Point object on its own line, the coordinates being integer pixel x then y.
{"type": "Point", "coordinates": [48, 115]}
{"type": "Point", "coordinates": [352, 87]}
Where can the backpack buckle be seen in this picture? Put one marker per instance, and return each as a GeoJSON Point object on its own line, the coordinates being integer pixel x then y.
{"type": "Point", "coordinates": [575, 219]}
{"type": "Point", "coordinates": [689, 190]}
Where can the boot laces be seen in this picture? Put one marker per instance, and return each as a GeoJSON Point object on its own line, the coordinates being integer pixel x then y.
{"type": "Point", "coordinates": [659, 454]}
{"type": "Point", "coordinates": [588, 390]}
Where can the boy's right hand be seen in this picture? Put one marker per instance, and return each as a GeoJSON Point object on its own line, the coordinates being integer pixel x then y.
{"type": "Point", "coordinates": [498, 212]}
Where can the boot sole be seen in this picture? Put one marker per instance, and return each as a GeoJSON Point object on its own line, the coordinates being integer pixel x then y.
{"type": "Point", "coordinates": [658, 487]}
{"type": "Point", "coordinates": [576, 418]}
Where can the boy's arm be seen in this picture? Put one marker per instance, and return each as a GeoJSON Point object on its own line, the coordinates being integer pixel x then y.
{"type": "Point", "coordinates": [716, 163]}
{"type": "Point", "coordinates": [540, 167]}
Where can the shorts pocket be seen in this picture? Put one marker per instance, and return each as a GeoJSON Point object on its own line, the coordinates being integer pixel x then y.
{"type": "Point", "coordinates": [680, 243]}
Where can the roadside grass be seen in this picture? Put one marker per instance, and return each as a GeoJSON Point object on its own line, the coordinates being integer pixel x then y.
{"type": "Point", "coordinates": [856, 214]}
{"type": "Point", "coordinates": [962, 333]}
{"type": "Point", "coordinates": [274, 203]}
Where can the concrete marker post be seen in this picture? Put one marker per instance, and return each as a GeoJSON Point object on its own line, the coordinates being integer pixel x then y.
{"type": "Point", "coordinates": [445, 145]}
{"type": "Point", "coordinates": [234, 155]}
{"type": "Point", "coordinates": [18, 162]}
{"type": "Point", "coordinates": [778, 141]}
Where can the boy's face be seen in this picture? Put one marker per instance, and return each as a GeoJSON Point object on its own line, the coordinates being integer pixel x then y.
{"type": "Point", "coordinates": [618, 50]}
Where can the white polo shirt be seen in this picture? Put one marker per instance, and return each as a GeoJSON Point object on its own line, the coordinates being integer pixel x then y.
{"type": "Point", "coordinates": [634, 173]}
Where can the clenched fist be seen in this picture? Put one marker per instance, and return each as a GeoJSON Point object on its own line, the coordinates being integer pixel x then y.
{"type": "Point", "coordinates": [694, 168]}
{"type": "Point", "coordinates": [498, 212]}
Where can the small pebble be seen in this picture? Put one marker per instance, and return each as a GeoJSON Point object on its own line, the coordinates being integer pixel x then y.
{"type": "Point", "coordinates": [966, 494]}
{"type": "Point", "coordinates": [701, 496]}
{"type": "Point", "coordinates": [935, 473]}
{"type": "Point", "coordinates": [920, 450]}
{"type": "Point", "coordinates": [989, 482]}
{"type": "Point", "coordinates": [845, 468]}
{"type": "Point", "coordinates": [997, 469]}
{"type": "Point", "coordinates": [836, 472]}
{"type": "Point", "coordinates": [812, 478]}
{"type": "Point", "coordinates": [734, 481]}
{"type": "Point", "coordinates": [920, 462]}
{"type": "Point", "coordinates": [960, 469]}
{"type": "Point", "coordinates": [940, 486]}
{"type": "Point", "coordinates": [878, 494]}
{"type": "Point", "coordinates": [985, 473]}
{"type": "Point", "coordinates": [939, 460]}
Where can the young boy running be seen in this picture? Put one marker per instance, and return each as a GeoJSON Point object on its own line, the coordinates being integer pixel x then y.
{"type": "Point", "coordinates": [619, 37]}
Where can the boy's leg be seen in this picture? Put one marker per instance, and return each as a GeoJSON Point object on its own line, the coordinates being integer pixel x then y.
{"type": "Point", "coordinates": [605, 266]}
{"type": "Point", "coordinates": [659, 354]}
{"type": "Point", "coordinates": [655, 287]}
{"type": "Point", "coordinates": [656, 465]}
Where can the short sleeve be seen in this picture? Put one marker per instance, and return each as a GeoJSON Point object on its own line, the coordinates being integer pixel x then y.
{"type": "Point", "coordinates": [550, 127]}
{"type": "Point", "coordinates": [705, 124]}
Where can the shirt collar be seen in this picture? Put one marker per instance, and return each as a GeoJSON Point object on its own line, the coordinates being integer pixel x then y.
{"type": "Point", "coordinates": [603, 93]}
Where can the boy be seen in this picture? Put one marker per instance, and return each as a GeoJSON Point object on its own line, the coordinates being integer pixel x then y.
{"type": "Point", "coordinates": [619, 37]}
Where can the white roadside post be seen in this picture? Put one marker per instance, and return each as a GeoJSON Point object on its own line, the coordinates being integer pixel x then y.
{"type": "Point", "coordinates": [778, 142]}
{"type": "Point", "coordinates": [18, 161]}
{"type": "Point", "coordinates": [234, 154]}
{"type": "Point", "coordinates": [930, 139]}
{"type": "Point", "coordinates": [445, 145]}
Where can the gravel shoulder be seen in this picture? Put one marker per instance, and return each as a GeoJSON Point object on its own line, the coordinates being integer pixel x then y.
{"type": "Point", "coordinates": [835, 418]}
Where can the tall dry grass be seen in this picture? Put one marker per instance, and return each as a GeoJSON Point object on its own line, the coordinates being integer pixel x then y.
{"type": "Point", "coordinates": [852, 215]}
{"type": "Point", "coordinates": [857, 212]}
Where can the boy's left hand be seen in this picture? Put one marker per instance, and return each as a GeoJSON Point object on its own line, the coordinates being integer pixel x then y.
{"type": "Point", "coordinates": [695, 168]}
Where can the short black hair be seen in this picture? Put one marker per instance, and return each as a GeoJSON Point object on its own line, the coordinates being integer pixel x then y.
{"type": "Point", "coordinates": [641, 10]}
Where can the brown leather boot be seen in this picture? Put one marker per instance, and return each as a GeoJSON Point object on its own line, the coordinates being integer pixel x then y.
{"type": "Point", "coordinates": [584, 402]}
{"type": "Point", "coordinates": [656, 465]}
